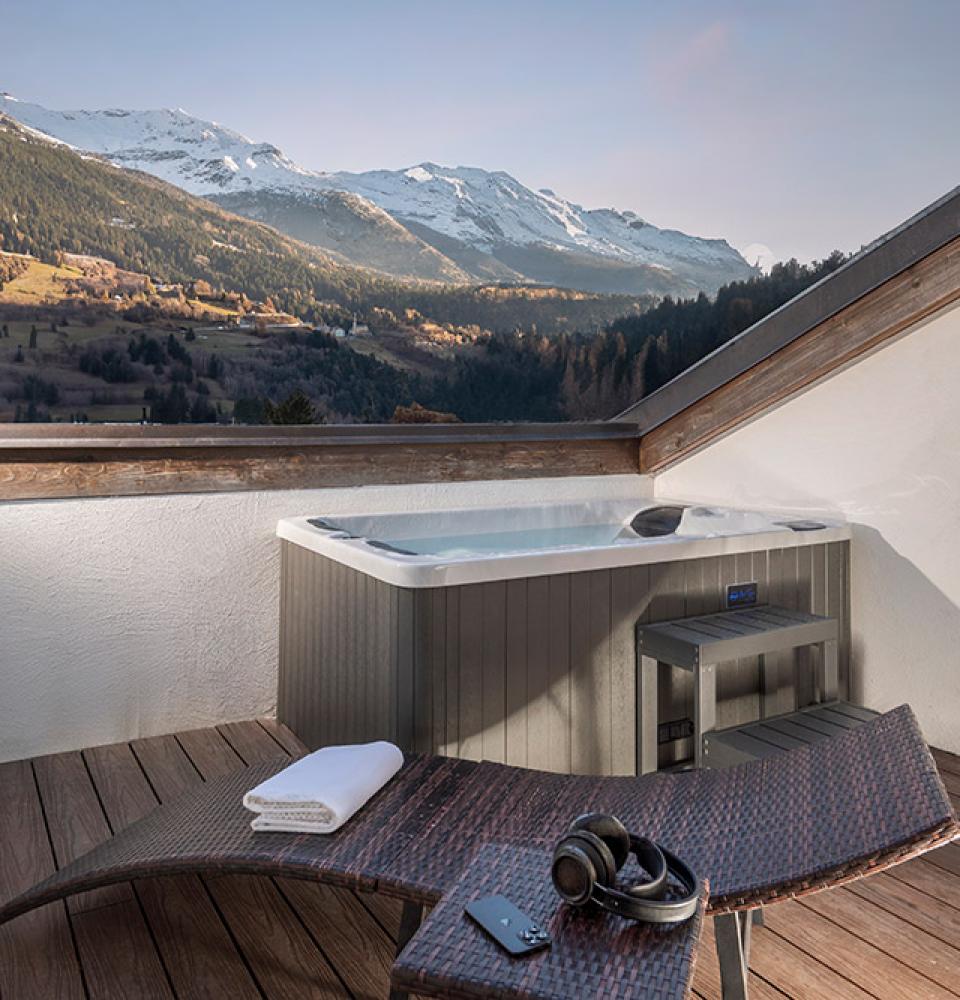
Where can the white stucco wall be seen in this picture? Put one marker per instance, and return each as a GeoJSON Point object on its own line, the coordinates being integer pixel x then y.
{"type": "Point", "coordinates": [879, 442]}
{"type": "Point", "coordinates": [138, 616]}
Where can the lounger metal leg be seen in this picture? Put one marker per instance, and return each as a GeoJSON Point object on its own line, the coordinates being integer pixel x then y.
{"type": "Point", "coordinates": [830, 681]}
{"type": "Point", "coordinates": [410, 920]}
{"type": "Point", "coordinates": [732, 931]}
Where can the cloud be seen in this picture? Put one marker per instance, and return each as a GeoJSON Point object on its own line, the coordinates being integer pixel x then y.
{"type": "Point", "coordinates": [682, 63]}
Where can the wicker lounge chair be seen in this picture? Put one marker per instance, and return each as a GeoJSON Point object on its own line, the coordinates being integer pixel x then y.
{"type": "Point", "coordinates": [796, 823]}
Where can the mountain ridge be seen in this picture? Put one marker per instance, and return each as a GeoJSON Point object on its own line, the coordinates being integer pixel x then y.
{"type": "Point", "coordinates": [451, 224]}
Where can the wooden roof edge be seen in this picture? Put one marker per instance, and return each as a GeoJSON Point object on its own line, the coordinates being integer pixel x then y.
{"type": "Point", "coordinates": [876, 264]}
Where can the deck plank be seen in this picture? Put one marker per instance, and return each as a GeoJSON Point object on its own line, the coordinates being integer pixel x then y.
{"type": "Point", "coordinates": [346, 929]}
{"type": "Point", "coordinates": [917, 908]}
{"type": "Point", "coordinates": [37, 953]}
{"type": "Point", "coordinates": [947, 762]}
{"type": "Point", "coordinates": [286, 960]}
{"type": "Point", "coordinates": [283, 953]}
{"type": "Point", "coordinates": [794, 972]}
{"type": "Point", "coordinates": [895, 937]}
{"type": "Point", "coordinates": [76, 821]}
{"type": "Point", "coordinates": [209, 752]}
{"type": "Point", "coordinates": [946, 857]}
{"type": "Point", "coordinates": [251, 741]}
{"type": "Point", "coordinates": [196, 945]}
{"type": "Point", "coordinates": [118, 954]}
{"type": "Point", "coordinates": [284, 736]}
{"type": "Point", "coordinates": [849, 956]}
{"type": "Point", "coordinates": [921, 874]}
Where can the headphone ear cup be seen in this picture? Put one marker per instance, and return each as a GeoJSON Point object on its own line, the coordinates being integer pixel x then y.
{"type": "Point", "coordinates": [609, 830]}
{"type": "Point", "coordinates": [596, 850]}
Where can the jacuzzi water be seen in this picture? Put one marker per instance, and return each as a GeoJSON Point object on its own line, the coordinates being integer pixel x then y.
{"type": "Point", "coordinates": [439, 548]}
{"type": "Point", "coordinates": [502, 542]}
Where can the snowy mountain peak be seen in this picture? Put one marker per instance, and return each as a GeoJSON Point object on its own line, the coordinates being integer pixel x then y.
{"type": "Point", "coordinates": [485, 221]}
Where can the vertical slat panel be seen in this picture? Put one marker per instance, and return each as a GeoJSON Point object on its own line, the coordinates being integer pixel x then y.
{"type": "Point", "coordinates": [729, 675]}
{"type": "Point", "coordinates": [818, 605]}
{"type": "Point", "coordinates": [803, 685]}
{"type": "Point", "coordinates": [452, 747]}
{"type": "Point", "coordinates": [778, 695]}
{"type": "Point", "coordinates": [627, 598]}
{"type": "Point", "coordinates": [493, 645]}
{"type": "Point", "coordinates": [322, 672]}
{"type": "Point", "coordinates": [471, 671]}
{"type": "Point", "coordinates": [582, 694]}
{"type": "Point", "coordinates": [405, 680]}
{"type": "Point", "coordinates": [438, 669]}
{"type": "Point", "coordinates": [517, 695]}
{"type": "Point", "coordinates": [541, 708]}
{"type": "Point", "coordinates": [667, 601]}
{"type": "Point", "coordinates": [838, 607]}
{"type": "Point", "coordinates": [422, 670]}
{"type": "Point", "coordinates": [760, 572]}
{"type": "Point", "coordinates": [601, 671]}
{"type": "Point", "coordinates": [561, 681]}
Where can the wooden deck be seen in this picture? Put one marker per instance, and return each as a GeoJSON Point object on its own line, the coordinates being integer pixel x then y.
{"type": "Point", "coordinates": [895, 935]}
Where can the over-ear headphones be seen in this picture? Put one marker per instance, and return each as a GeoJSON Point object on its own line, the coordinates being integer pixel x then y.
{"type": "Point", "coordinates": [595, 848]}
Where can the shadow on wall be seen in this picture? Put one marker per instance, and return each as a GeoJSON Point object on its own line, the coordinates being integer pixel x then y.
{"type": "Point", "coordinates": [905, 639]}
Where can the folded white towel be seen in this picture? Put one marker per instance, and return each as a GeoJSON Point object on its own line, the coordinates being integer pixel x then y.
{"type": "Point", "coordinates": [320, 792]}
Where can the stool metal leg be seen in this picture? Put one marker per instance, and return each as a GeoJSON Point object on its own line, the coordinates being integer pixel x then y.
{"type": "Point", "coordinates": [705, 707]}
{"type": "Point", "coordinates": [647, 670]}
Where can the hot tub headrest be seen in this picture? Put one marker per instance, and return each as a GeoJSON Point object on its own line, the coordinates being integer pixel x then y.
{"type": "Point", "coordinates": [656, 521]}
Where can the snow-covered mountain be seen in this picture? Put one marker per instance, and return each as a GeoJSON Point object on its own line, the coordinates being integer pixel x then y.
{"type": "Point", "coordinates": [428, 221]}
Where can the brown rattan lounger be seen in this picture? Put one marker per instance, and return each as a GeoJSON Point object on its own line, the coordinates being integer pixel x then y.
{"type": "Point", "coordinates": [795, 823]}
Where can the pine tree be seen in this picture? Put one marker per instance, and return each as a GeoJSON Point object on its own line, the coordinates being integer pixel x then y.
{"type": "Point", "coordinates": [295, 409]}
{"type": "Point", "coordinates": [33, 338]}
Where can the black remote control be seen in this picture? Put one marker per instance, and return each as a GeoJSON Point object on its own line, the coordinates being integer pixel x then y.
{"type": "Point", "coordinates": [509, 927]}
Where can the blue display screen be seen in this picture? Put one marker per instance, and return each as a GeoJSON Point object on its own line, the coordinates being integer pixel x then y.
{"type": "Point", "coordinates": [741, 595]}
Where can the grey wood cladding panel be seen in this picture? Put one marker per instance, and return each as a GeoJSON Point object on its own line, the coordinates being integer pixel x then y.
{"type": "Point", "coordinates": [538, 672]}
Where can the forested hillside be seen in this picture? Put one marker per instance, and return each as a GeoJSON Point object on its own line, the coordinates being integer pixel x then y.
{"type": "Point", "coordinates": [522, 377]}
{"type": "Point", "coordinates": [54, 200]}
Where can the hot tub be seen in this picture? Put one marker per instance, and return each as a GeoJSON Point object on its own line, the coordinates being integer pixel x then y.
{"type": "Point", "coordinates": [508, 633]}
{"type": "Point", "coordinates": [451, 547]}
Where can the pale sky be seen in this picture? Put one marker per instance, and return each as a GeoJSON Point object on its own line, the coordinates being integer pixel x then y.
{"type": "Point", "coordinates": [804, 126]}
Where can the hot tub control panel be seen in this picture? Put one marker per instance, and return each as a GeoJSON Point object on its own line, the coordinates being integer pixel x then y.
{"type": "Point", "coordinates": [741, 595]}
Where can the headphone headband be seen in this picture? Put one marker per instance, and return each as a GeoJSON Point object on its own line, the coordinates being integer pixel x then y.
{"type": "Point", "coordinates": [643, 901]}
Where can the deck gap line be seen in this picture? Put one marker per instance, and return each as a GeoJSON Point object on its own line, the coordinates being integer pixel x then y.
{"type": "Point", "coordinates": [903, 917]}
{"type": "Point", "coordinates": [892, 872]}
{"type": "Point", "coordinates": [96, 792]}
{"type": "Point", "coordinates": [930, 859]}
{"type": "Point", "coordinates": [153, 938]}
{"type": "Point", "coordinates": [146, 776]}
{"type": "Point", "coordinates": [236, 944]}
{"type": "Point", "coordinates": [899, 961]}
{"type": "Point", "coordinates": [84, 985]}
{"type": "Point", "coordinates": [189, 758]}
{"type": "Point", "coordinates": [773, 986]}
{"type": "Point", "coordinates": [225, 736]}
{"type": "Point", "coordinates": [376, 919]}
{"type": "Point", "coordinates": [812, 958]}
{"type": "Point", "coordinates": [275, 740]}
{"type": "Point", "coordinates": [311, 935]}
